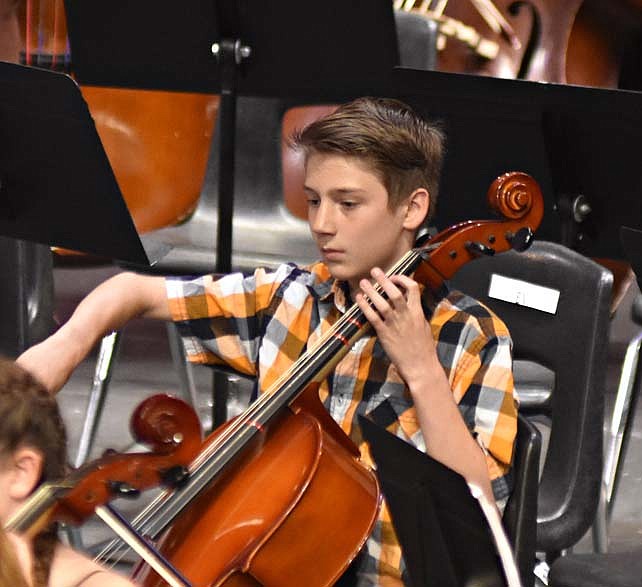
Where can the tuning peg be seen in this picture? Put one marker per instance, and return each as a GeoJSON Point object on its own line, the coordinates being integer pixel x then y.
{"type": "Point", "coordinates": [479, 249]}
{"type": "Point", "coordinates": [175, 476]}
{"type": "Point", "coordinates": [521, 240]}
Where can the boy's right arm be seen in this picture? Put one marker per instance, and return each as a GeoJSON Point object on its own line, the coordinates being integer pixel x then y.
{"type": "Point", "coordinates": [107, 308]}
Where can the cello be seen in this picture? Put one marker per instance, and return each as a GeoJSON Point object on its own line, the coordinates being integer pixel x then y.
{"type": "Point", "coordinates": [579, 42]}
{"type": "Point", "coordinates": [275, 472]}
{"type": "Point", "coordinates": [225, 526]}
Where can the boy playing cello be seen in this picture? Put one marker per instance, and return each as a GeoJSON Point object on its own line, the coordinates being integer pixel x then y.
{"type": "Point", "coordinates": [437, 373]}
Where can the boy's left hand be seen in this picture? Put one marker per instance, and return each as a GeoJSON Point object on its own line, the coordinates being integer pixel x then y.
{"type": "Point", "coordinates": [399, 322]}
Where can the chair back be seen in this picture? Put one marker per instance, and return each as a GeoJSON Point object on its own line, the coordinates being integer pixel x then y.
{"type": "Point", "coordinates": [570, 342]}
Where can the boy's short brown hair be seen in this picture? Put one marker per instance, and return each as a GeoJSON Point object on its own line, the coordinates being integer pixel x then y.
{"type": "Point", "coordinates": [402, 148]}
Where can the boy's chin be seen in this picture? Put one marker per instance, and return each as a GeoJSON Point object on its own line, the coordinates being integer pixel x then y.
{"type": "Point", "coordinates": [350, 277]}
{"type": "Point", "coordinates": [340, 273]}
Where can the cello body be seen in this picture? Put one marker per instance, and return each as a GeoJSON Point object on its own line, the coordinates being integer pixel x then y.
{"type": "Point", "coordinates": [294, 509]}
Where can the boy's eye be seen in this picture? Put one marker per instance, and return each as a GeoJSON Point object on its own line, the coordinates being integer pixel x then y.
{"type": "Point", "coordinates": [312, 202]}
{"type": "Point", "coordinates": [348, 204]}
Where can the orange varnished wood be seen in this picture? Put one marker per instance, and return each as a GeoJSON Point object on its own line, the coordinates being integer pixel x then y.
{"type": "Point", "coordinates": [296, 504]}
{"type": "Point", "coordinates": [158, 144]}
{"type": "Point", "coordinates": [168, 426]}
{"type": "Point", "coordinates": [575, 41]}
{"type": "Point", "coordinates": [9, 32]}
{"type": "Point", "coordinates": [603, 35]}
{"type": "Point", "coordinates": [43, 29]}
{"type": "Point", "coordinates": [516, 196]}
{"type": "Point", "coordinates": [460, 56]}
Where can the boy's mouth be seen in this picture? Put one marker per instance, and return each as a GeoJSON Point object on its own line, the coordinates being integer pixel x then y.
{"type": "Point", "coordinates": [330, 253]}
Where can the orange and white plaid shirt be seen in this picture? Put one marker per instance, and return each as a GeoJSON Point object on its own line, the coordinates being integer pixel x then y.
{"type": "Point", "coordinates": [259, 325]}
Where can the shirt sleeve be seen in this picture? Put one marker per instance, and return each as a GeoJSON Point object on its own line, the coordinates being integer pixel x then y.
{"type": "Point", "coordinates": [481, 377]}
{"type": "Point", "coordinates": [490, 408]}
{"type": "Point", "coordinates": [220, 319]}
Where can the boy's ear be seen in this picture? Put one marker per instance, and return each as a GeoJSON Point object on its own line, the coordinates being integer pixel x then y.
{"type": "Point", "coordinates": [27, 466]}
{"type": "Point", "coordinates": [418, 206]}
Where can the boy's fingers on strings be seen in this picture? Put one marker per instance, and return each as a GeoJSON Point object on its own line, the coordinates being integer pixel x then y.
{"type": "Point", "coordinates": [376, 300]}
{"type": "Point", "coordinates": [396, 297]}
{"type": "Point", "coordinates": [372, 315]}
{"type": "Point", "coordinates": [409, 286]}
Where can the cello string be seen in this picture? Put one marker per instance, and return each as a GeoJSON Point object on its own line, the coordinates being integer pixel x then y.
{"type": "Point", "coordinates": [441, 6]}
{"type": "Point", "coordinates": [137, 543]}
{"type": "Point", "coordinates": [204, 461]}
{"type": "Point", "coordinates": [439, 241]}
{"type": "Point", "coordinates": [41, 32]}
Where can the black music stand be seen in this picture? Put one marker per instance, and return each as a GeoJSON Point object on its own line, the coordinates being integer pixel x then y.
{"type": "Point", "coordinates": [249, 47]}
{"type": "Point", "coordinates": [56, 184]}
{"type": "Point", "coordinates": [443, 532]}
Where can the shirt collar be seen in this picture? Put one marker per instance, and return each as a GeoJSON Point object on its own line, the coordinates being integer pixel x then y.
{"type": "Point", "coordinates": [341, 294]}
{"type": "Point", "coordinates": [334, 291]}
{"type": "Point", "coordinates": [328, 289]}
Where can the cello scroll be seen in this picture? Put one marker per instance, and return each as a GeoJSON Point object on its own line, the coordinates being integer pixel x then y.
{"type": "Point", "coordinates": [167, 425]}
{"type": "Point", "coordinates": [514, 195]}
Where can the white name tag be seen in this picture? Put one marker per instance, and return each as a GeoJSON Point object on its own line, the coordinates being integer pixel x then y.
{"type": "Point", "coordinates": [523, 293]}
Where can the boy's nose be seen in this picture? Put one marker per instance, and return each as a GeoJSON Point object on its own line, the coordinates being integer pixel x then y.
{"type": "Point", "coordinates": [321, 220]}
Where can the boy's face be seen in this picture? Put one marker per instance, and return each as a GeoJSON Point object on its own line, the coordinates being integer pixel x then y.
{"type": "Point", "coordinates": [350, 220]}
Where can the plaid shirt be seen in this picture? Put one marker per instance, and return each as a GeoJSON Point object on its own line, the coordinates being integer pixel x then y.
{"type": "Point", "coordinates": [259, 325]}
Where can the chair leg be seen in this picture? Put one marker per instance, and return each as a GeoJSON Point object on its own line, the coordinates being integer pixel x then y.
{"type": "Point", "coordinates": [97, 393]}
{"type": "Point", "coordinates": [102, 376]}
{"type": "Point", "coordinates": [616, 442]}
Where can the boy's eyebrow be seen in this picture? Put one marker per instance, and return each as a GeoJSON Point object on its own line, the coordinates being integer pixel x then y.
{"type": "Point", "coordinates": [337, 191]}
